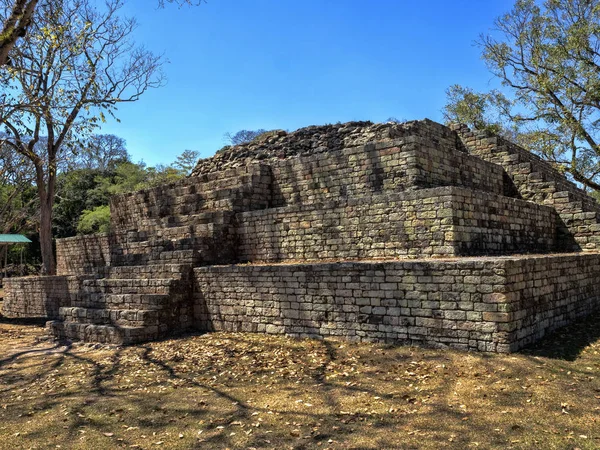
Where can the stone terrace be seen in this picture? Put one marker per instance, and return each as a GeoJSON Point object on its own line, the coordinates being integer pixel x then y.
{"type": "Point", "coordinates": [409, 233]}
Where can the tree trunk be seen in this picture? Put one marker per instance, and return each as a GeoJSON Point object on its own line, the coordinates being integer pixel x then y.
{"type": "Point", "coordinates": [15, 26]}
{"type": "Point", "coordinates": [46, 196]}
{"type": "Point", "coordinates": [48, 263]}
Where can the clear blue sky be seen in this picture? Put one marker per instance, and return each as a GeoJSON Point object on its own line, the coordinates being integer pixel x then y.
{"type": "Point", "coordinates": [249, 64]}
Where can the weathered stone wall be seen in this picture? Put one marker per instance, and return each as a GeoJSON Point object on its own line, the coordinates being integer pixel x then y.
{"type": "Point", "coordinates": [279, 144]}
{"type": "Point", "coordinates": [488, 304]}
{"type": "Point", "coordinates": [389, 166]}
{"type": "Point", "coordinates": [433, 303]}
{"type": "Point", "coordinates": [39, 297]}
{"type": "Point", "coordinates": [201, 243]}
{"type": "Point", "coordinates": [531, 178]}
{"type": "Point", "coordinates": [180, 203]}
{"type": "Point", "coordinates": [359, 192]}
{"type": "Point", "coordinates": [547, 292]}
{"type": "Point", "coordinates": [83, 254]}
{"type": "Point", "coordinates": [435, 222]}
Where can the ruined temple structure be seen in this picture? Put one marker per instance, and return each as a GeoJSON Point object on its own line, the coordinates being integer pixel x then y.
{"type": "Point", "coordinates": [410, 233]}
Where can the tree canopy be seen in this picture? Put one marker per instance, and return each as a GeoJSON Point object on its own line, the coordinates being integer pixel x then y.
{"type": "Point", "coordinates": [547, 57]}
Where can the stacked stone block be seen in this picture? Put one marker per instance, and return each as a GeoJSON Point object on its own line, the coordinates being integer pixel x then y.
{"type": "Point", "coordinates": [405, 207]}
{"type": "Point", "coordinates": [40, 297]}
{"type": "Point", "coordinates": [533, 179]}
{"type": "Point", "coordinates": [447, 221]}
{"type": "Point", "coordinates": [130, 304]}
{"type": "Point", "coordinates": [487, 304]}
{"type": "Point", "coordinates": [178, 204]}
{"type": "Point", "coordinates": [389, 166]}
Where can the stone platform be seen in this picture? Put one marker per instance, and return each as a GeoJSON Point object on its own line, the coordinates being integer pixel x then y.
{"type": "Point", "coordinates": [442, 233]}
{"type": "Point", "coordinates": [495, 304]}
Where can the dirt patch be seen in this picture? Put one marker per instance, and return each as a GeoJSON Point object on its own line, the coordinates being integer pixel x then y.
{"type": "Point", "coordinates": [255, 391]}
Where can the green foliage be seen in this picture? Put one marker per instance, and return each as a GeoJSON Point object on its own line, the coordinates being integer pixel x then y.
{"type": "Point", "coordinates": [83, 196]}
{"type": "Point", "coordinates": [186, 162]}
{"type": "Point", "coordinates": [96, 220]}
{"type": "Point", "coordinates": [471, 108]}
{"type": "Point", "coordinates": [547, 56]}
{"type": "Point", "coordinates": [77, 191]}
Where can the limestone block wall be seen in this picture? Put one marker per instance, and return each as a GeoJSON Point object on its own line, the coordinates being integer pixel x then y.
{"type": "Point", "coordinates": [201, 243]}
{"type": "Point", "coordinates": [488, 304]}
{"type": "Point", "coordinates": [237, 189]}
{"type": "Point", "coordinates": [433, 303]}
{"type": "Point", "coordinates": [279, 144]}
{"type": "Point", "coordinates": [435, 222]}
{"type": "Point", "coordinates": [547, 292]}
{"type": "Point", "coordinates": [83, 254]}
{"type": "Point", "coordinates": [389, 166]}
{"type": "Point", "coordinates": [531, 178]}
{"type": "Point", "coordinates": [41, 297]}
{"type": "Point", "coordinates": [503, 152]}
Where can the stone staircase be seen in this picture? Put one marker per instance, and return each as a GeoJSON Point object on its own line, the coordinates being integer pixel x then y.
{"type": "Point", "coordinates": [205, 199]}
{"type": "Point", "coordinates": [534, 179]}
{"type": "Point", "coordinates": [144, 293]}
{"type": "Point", "coordinates": [129, 304]}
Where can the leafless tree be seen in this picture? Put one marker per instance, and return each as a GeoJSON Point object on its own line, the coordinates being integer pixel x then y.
{"type": "Point", "coordinates": [76, 63]}
{"type": "Point", "coordinates": [101, 152]}
{"type": "Point", "coordinates": [242, 136]}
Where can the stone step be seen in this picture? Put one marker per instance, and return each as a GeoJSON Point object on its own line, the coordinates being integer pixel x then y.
{"type": "Point", "coordinates": [128, 286]}
{"type": "Point", "coordinates": [154, 245]}
{"type": "Point", "coordinates": [105, 334]}
{"type": "Point", "coordinates": [224, 198]}
{"type": "Point", "coordinates": [123, 301]}
{"type": "Point", "coordinates": [536, 177]}
{"type": "Point", "coordinates": [148, 271]}
{"type": "Point", "coordinates": [524, 168]}
{"type": "Point", "coordinates": [251, 170]}
{"type": "Point", "coordinates": [538, 181]}
{"type": "Point", "coordinates": [168, 239]}
{"type": "Point", "coordinates": [167, 257]}
{"type": "Point", "coordinates": [189, 231]}
{"type": "Point", "coordinates": [209, 218]}
{"type": "Point", "coordinates": [199, 185]}
{"type": "Point", "coordinates": [121, 317]}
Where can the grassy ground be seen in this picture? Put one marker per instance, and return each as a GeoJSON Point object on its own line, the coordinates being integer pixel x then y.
{"type": "Point", "coordinates": [244, 391]}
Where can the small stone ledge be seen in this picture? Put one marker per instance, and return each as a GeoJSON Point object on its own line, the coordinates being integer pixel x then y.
{"type": "Point", "coordinates": [40, 296]}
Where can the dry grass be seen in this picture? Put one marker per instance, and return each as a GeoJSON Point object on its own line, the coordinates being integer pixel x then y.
{"type": "Point", "coordinates": [243, 391]}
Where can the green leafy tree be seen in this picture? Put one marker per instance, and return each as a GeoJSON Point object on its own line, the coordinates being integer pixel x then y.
{"type": "Point", "coordinates": [547, 56]}
{"type": "Point", "coordinates": [77, 190]}
{"type": "Point", "coordinates": [96, 220]}
{"type": "Point", "coordinates": [186, 162]}
{"type": "Point", "coordinates": [17, 193]}
{"type": "Point", "coordinates": [83, 195]}
{"type": "Point", "coordinates": [481, 111]}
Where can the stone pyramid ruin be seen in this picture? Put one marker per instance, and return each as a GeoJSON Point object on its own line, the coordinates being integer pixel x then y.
{"type": "Point", "coordinates": [408, 233]}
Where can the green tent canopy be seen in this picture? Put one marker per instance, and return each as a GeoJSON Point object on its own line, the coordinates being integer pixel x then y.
{"type": "Point", "coordinates": [7, 239]}
{"type": "Point", "coordinates": [13, 239]}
